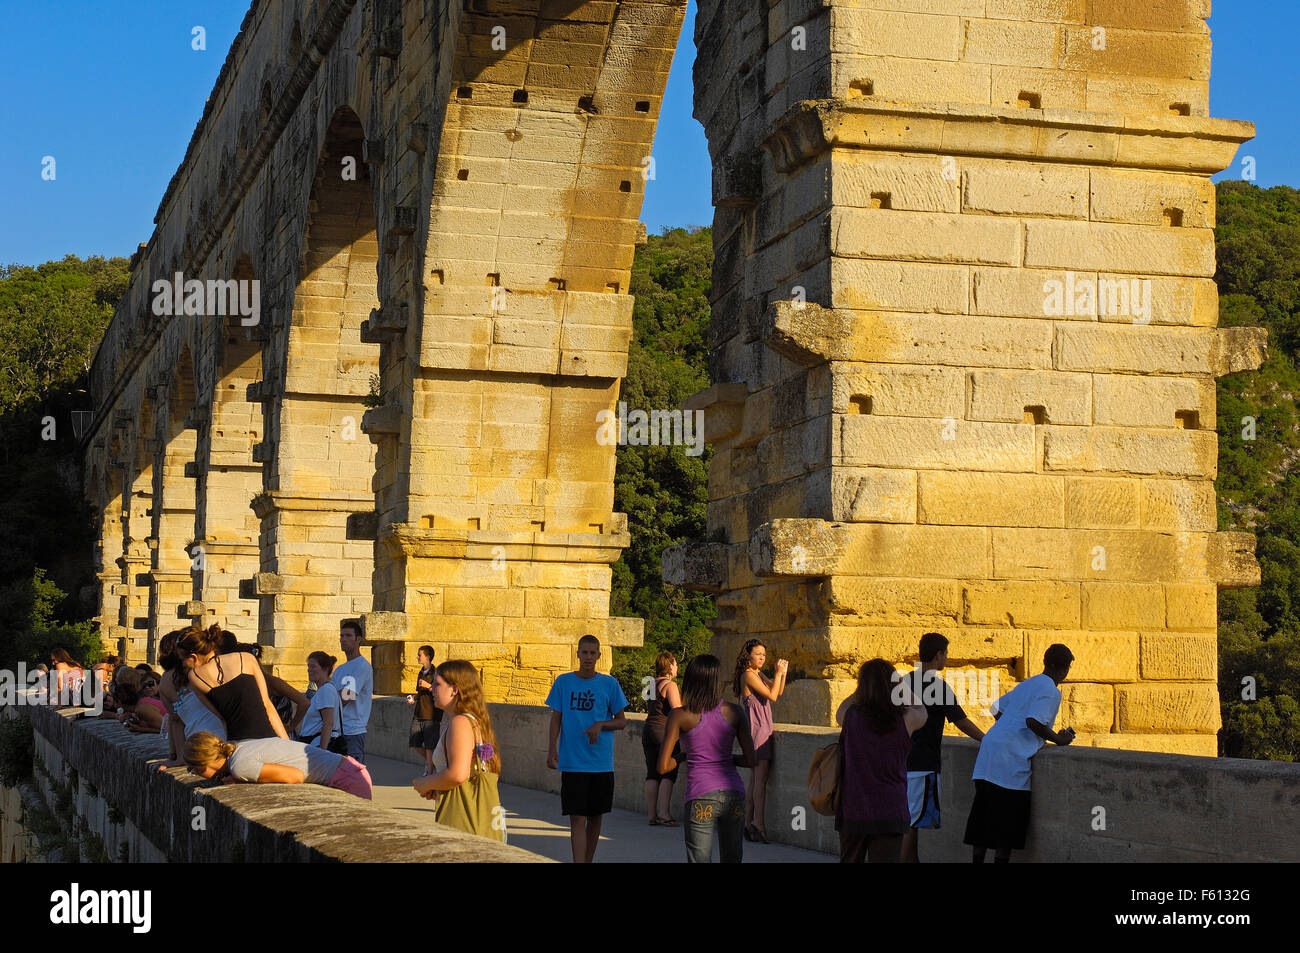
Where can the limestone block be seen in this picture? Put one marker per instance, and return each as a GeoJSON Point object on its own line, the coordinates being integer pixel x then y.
{"type": "Point", "coordinates": [1181, 656]}
{"type": "Point", "coordinates": [924, 236]}
{"type": "Point", "coordinates": [1046, 191]}
{"type": "Point", "coordinates": [951, 444]}
{"type": "Point", "coordinates": [1185, 708]}
{"type": "Point", "coordinates": [1239, 349]}
{"type": "Point", "coordinates": [1145, 198]}
{"type": "Point", "coordinates": [699, 566]}
{"type": "Point", "coordinates": [893, 601]}
{"type": "Point", "coordinates": [813, 701]}
{"type": "Point", "coordinates": [895, 34]}
{"type": "Point", "coordinates": [1231, 558]}
{"type": "Point", "coordinates": [1128, 249]}
{"type": "Point", "coordinates": [1013, 43]}
{"type": "Point", "coordinates": [1086, 707]}
{"type": "Point", "coordinates": [910, 183]}
{"type": "Point", "coordinates": [1126, 400]}
{"type": "Point", "coordinates": [864, 495]}
{"type": "Point", "coordinates": [1098, 656]}
{"type": "Point", "coordinates": [1179, 505]}
{"type": "Point", "coordinates": [898, 390]}
{"type": "Point", "coordinates": [869, 285]}
{"type": "Point", "coordinates": [810, 548]}
{"type": "Point", "coordinates": [1008, 396]}
{"type": "Point", "coordinates": [1140, 350]}
{"type": "Point", "coordinates": [473, 600]}
{"type": "Point", "coordinates": [1113, 605]}
{"type": "Point", "coordinates": [1183, 16]}
{"type": "Point", "coordinates": [990, 499]}
{"type": "Point", "coordinates": [1025, 292]}
{"type": "Point", "coordinates": [1103, 503]}
{"type": "Point", "coordinates": [1022, 605]}
{"type": "Point", "coordinates": [1108, 555]}
{"type": "Point", "coordinates": [1097, 449]}
{"type": "Point", "coordinates": [812, 333]}
{"type": "Point", "coordinates": [1055, 89]}
{"type": "Point", "coordinates": [1138, 53]}
{"type": "Point", "coordinates": [1191, 605]}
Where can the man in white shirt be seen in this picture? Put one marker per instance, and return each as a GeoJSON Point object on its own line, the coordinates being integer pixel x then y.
{"type": "Point", "coordinates": [999, 816]}
{"type": "Point", "coordinates": [355, 680]}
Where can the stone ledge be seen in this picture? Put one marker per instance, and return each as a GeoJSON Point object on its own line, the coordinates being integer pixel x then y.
{"type": "Point", "coordinates": [1173, 143]}
{"type": "Point", "coordinates": [272, 823]}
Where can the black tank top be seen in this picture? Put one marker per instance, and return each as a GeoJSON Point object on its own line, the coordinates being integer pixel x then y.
{"type": "Point", "coordinates": [240, 704]}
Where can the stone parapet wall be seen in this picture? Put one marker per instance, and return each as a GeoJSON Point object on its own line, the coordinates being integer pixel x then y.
{"type": "Point", "coordinates": [1156, 807]}
{"type": "Point", "coordinates": [138, 813]}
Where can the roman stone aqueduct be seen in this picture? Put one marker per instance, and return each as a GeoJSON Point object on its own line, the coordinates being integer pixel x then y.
{"type": "Point", "coordinates": [907, 435]}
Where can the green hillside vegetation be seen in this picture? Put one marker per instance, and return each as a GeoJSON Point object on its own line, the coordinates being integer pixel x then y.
{"type": "Point", "coordinates": [51, 320]}
{"type": "Point", "coordinates": [1258, 237]}
{"type": "Point", "coordinates": [662, 490]}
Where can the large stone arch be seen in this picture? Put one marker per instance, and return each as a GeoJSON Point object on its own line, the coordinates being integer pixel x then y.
{"type": "Point", "coordinates": [319, 467]}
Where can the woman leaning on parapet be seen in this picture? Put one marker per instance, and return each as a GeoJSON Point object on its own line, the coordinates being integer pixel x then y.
{"type": "Point", "coordinates": [231, 686]}
{"type": "Point", "coordinates": [186, 715]}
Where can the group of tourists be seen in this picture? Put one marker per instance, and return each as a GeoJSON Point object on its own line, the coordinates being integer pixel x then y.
{"type": "Point", "coordinates": [226, 719]}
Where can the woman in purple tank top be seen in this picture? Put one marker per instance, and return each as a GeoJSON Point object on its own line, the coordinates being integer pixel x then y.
{"type": "Point", "coordinates": [878, 721]}
{"type": "Point", "coordinates": [708, 729]}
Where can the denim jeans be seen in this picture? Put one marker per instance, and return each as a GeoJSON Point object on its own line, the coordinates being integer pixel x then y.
{"type": "Point", "coordinates": [356, 746]}
{"type": "Point", "coordinates": [721, 810]}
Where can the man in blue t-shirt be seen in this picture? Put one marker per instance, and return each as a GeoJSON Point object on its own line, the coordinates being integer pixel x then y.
{"type": "Point", "coordinates": [355, 680]}
{"type": "Point", "coordinates": [585, 708]}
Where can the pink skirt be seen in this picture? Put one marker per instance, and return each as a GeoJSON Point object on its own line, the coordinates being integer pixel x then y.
{"type": "Point", "coordinates": [353, 777]}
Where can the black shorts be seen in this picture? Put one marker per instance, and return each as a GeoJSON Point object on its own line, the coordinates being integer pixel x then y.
{"type": "Point", "coordinates": [651, 749]}
{"type": "Point", "coordinates": [424, 734]}
{"type": "Point", "coordinates": [586, 793]}
{"type": "Point", "coordinates": [999, 817]}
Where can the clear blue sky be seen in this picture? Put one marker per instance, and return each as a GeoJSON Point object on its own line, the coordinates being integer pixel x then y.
{"type": "Point", "coordinates": [113, 90]}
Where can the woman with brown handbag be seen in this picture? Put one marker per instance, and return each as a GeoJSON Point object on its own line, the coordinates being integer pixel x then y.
{"type": "Point", "coordinates": [878, 720]}
{"type": "Point", "coordinates": [467, 767]}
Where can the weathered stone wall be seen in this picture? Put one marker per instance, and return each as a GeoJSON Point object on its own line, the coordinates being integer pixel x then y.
{"type": "Point", "coordinates": [912, 430]}
{"type": "Point", "coordinates": [1158, 807]}
{"type": "Point", "coordinates": [440, 202]}
{"type": "Point", "coordinates": [172, 816]}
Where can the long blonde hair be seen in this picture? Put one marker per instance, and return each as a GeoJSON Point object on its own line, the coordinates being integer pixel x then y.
{"type": "Point", "coordinates": [463, 677]}
{"type": "Point", "coordinates": [205, 748]}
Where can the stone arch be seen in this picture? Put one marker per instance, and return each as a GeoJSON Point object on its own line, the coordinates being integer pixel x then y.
{"type": "Point", "coordinates": [320, 466]}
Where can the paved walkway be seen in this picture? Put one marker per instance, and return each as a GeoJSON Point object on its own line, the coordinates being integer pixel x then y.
{"type": "Point", "coordinates": [534, 823]}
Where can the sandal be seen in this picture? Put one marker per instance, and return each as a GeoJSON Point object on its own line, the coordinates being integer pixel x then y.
{"type": "Point", "coordinates": [749, 832]}
{"type": "Point", "coordinates": [655, 822]}
{"type": "Point", "coordinates": [760, 835]}
{"type": "Point", "coordinates": [668, 822]}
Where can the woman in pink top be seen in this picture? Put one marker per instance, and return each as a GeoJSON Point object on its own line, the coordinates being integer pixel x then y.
{"type": "Point", "coordinates": [708, 729]}
{"type": "Point", "coordinates": [756, 692]}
